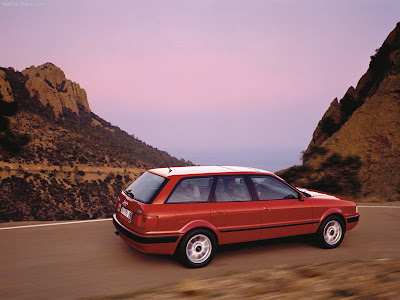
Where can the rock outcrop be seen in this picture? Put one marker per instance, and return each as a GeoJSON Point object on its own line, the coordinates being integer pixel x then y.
{"type": "Point", "coordinates": [385, 63]}
{"type": "Point", "coordinates": [49, 84]}
{"type": "Point", "coordinates": [328, 124]}
{"type": "Point", "coordinates": [363, 128]}
{"type": "Point", "coordinates": [6, 93]}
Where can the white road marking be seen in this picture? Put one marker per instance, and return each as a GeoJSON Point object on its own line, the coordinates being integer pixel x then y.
{"type": "Point", "coordinates": [100, 220]}
{"type": "Point", "coordinates": [54, 224]}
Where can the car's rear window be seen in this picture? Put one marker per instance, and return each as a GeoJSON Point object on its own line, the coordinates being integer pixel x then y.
{"type": "Point", "coordinates": [146, 187]}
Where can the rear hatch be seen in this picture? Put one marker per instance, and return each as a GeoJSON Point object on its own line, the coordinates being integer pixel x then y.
{"type": "Point", "coordinates": [129, 211]}
{"type": "Point", "coordinates": [133, 201]}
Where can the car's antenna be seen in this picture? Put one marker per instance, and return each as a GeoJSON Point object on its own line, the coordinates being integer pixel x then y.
{"type": "Point", "coordinates": [164, 160]}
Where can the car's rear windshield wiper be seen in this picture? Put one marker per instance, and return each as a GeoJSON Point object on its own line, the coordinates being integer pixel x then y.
{"type": "Point", "coordinates": [129, 193]}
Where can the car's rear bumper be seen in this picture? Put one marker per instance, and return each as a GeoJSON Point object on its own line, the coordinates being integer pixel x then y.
{"type": "Point", "coordinates": [352, 221]}
{"type": "Point", "coordinates": [147, 244]}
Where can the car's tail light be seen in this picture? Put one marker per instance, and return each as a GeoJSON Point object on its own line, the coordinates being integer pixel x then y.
{"type": "Point", "coordinates": [148, 222]}
{"type": "Point", "coordinates": [118, 205]}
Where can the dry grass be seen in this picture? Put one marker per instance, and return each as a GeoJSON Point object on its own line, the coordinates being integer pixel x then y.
{"type": "Point", "coordinates": [91, 172]}
{"type": "Point", "coordinates": [372, 279]}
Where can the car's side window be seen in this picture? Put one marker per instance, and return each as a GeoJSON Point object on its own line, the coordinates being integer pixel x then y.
{"type": "Point", "coordinates": [231, 188]}
{"type": "Point", "coordinates": [270, 188]}
{"type": "Point", "coordinates": [191, 190]}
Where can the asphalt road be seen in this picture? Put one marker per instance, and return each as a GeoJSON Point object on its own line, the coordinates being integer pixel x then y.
{"type": "Point", "coordinates": [87, 259]}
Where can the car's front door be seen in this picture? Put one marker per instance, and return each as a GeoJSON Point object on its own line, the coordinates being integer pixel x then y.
{"type": "Point", "coordinates": [233, 211]}
{"type": "Point", "coordinates": [282, 213]}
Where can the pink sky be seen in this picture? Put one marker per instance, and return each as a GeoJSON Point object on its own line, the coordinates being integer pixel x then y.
{"type": "Point", "coordinates": [216, 82]}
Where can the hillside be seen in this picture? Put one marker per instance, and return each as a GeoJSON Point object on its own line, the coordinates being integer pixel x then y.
{"type": "Point", "coordinates": [59, 160]}
{"type": "Point", "coordinates": [355, 149]}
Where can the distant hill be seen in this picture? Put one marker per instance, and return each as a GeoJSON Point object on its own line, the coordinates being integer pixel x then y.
{"type": "Point", "coordinates": [355, 149]}
{"type": "Point", "coordinates": [59, 160]}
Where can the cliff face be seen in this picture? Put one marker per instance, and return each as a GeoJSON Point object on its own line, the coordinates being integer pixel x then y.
{"type": "Point", "coordinates": [363, 128]}
{"type": "Point", "coordinates": [49, 84]}
{"type": "Point", "coordinates": [381, 78]}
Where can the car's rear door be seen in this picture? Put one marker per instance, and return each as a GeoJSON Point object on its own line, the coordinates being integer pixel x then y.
{"type": "Point", "coordinates": [282, 213]}
{"type": "Point", "coordinates": [188, 202]}
{"type": "Point", "coordinates": [233, 210]}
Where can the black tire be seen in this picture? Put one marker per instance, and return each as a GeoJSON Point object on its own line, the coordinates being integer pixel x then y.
{"type": "Point", "coordinates": [197, 248]}
{"type": "Point", "coordinates": [331, 232]}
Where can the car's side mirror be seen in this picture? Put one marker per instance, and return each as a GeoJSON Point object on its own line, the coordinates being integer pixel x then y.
{"type": "Point", "coordinates": [301, 197]}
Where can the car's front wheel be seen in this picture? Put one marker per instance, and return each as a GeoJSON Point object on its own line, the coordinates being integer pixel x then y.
{"type": "Point", "coordinates": [330, 234]}
{"type": "Point", "coordinates": [197, 248]}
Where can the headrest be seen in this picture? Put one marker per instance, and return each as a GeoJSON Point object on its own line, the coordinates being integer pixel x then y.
{"type": "Point", "coordinates": [196, 192]}
{"type": "Point", "coordinates": [192, 191]}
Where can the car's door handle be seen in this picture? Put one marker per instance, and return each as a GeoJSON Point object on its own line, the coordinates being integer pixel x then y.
{"type": "Point", "coordinates": [266, 208]}
{"type": "Point", "coordinates": [221, 212]}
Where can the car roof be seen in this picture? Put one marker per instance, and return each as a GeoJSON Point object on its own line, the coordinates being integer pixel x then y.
{"type": "Point", "coordinates": [206, 170]}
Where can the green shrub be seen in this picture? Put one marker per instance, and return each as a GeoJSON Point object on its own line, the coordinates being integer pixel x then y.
{"type": "Point", "coordinates": [314, 151]}
{"type": "Point", "coordinates": [291, 175]}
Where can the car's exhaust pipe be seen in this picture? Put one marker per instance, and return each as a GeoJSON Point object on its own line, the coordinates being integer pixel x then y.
{"type": "Point", "coordinates": [116, 233]}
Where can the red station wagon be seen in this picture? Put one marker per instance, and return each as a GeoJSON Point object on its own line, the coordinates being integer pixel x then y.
{"type": "Point", "coordinates": [189, 211]}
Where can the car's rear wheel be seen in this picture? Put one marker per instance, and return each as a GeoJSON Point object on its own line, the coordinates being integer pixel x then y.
{"type": "Point", "coordinates": [197, 248]}
{"type": "Point", "coordinates": [330, 234]}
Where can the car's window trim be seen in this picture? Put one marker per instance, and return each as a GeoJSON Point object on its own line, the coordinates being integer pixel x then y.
{"type": "Point", "coordinates": [213, 199]}
{"type": "Point", "coordinates": [266, 175]}
{"type": "Point", "coordinates": [192, 177]}
{"type": "Point", "coordinates": [251, 187]}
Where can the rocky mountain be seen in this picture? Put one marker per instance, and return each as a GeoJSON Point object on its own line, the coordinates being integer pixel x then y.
{"type": "Point", "coordinates": [59, 160]}
{"type": "Point", "coordinates": [48, 83]}
{"type": "Point", "coordinates": [355, 149]}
